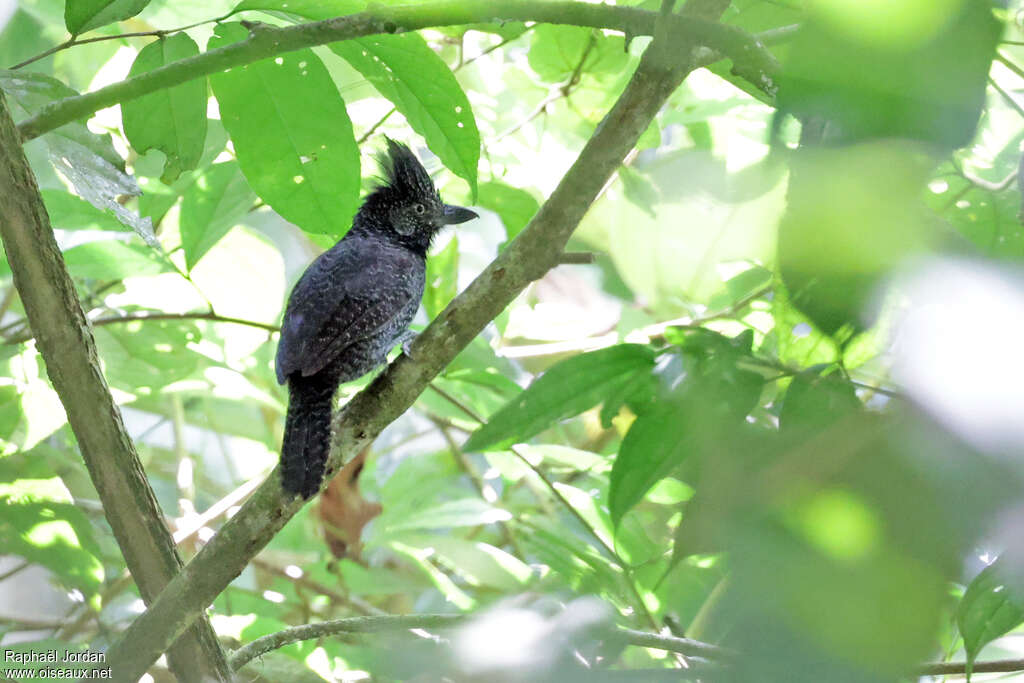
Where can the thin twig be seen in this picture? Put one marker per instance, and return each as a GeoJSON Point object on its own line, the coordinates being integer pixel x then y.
{"type": "Point", "coordinates": [1007, 96]}
{"type": "Point", "coordinates": [132, 317]}
{"type": "Point", "coordinates": [570, 258]}
{"type": "Point", "coordinates": [14, 570]}
{"type": "Point", "coordinates": [556, 93]}
{"type": "Point", "coordinates": [73, 40]}
{"type": "Point", "coordinates": [366, 136]}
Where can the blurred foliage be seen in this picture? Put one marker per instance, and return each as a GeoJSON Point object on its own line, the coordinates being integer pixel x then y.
{"type": "Point", "coordinates": [752, 421]}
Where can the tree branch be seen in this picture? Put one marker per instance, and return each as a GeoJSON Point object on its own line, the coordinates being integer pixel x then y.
{"type": "Point", "coordinates": [66, 343]}
{"type": "Point", "coordinates": [750, 58]}
{"type": "Point", "coordinates": [377, 624]}
{"type": "Point", "coordinates": [526, 258]}
{"type": "Point", "coordinates": [156, 315]}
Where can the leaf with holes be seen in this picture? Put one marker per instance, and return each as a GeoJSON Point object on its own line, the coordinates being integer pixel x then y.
{"type": "Point", "coordinates": [292, 136]}
{"type": "Point", "coordinates": [406, 71]}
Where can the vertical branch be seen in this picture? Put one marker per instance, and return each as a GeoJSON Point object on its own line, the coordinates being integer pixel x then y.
{"type": "Point", "coordinates": [65, 341]}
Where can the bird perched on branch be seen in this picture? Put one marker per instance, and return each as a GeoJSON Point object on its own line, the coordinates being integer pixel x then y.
{"type": "Point", "coordinates": [353, 305]}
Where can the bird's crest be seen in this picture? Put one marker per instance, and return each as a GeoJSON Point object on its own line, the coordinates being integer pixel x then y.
{"type": "Point", "coordinates": [403, 172]}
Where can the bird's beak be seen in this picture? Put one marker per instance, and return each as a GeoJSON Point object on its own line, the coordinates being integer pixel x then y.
{"type": "Point", "coordinates": [454, 215]}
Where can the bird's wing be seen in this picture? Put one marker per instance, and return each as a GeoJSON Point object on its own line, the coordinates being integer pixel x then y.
{"type": "Point", "coordinates": [346, 295]}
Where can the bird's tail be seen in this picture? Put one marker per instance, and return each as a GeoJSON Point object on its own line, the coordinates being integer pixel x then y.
{"type": "Point", "coordinates": [307, 433]}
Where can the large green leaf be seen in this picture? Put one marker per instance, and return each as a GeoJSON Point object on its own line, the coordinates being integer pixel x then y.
{"type": "Point", "coordinates": [991, 607]}
{"type": "Point", "coordinates": [55, 535]}
{"type": "Point", "coordinates": [514, 206]}
{"type": "Point", "coordinates": [142, 356]}
{"type": "Point", "coordinates": [172, 120]}
{"type": "Point", "coordinates": [565, 389]}
{"type": "Point", "coordinates": [910, 70]}
{"type": "Point", "coordinates": [406, 71]}
{"type": "Point", "coordinates": [559, 52]}
{"type": "Point", "coordinates": [219, 199]}
{"type": "Point", "coordinates": [292, 136]}
{"type": "Point", "coordinates": [656, 443]}
{"type": "Point", "coordinates": [84, 15]}
{"type": "Point", "coordinates": [112, 260]}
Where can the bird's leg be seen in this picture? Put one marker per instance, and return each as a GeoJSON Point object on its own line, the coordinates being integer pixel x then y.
{"type": "Point", "coordinates": [405, 339]}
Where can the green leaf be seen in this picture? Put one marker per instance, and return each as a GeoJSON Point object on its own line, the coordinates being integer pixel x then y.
{"type": "Point", "coordinates": [814, 402]}
{"type": "Point", "coordinates": [172, 120]}
{"type": "Point", "coordinates": [56, 535]}
{"type": "Point", "coordinates": [514, 206]}
{"type": "Point", "coordinates": [141, 356]}
{"type": "Point", "coordinates": [655, 444]}
{"type": "Point", "coordinates": [442, 278]}
{"type": "Point", "coordinates": [87, 160]}
{"type": "Point", "coordinates": [405, 70]}
{"type": "Point", "coordinates": [112, 260]}
{"type": "Point", "coordinates": [451, 513]}
{"type": "Point", "coordinates": [566, 389]}
{"type": "Point", "coordinates": [480, 564]}
{"type": "Point", "coordinates": [292, 136]}
{"type": "Point", "coordinates": [991, 607]}
{"type": "Point", "coordinates": [220, 199]}
{"type": "Point", "coordinates": [412, 76]}
{"type": "Point", "coordinates": [556, 52]}
{"type": "Point", "coordinates": [68, 212]}
{"type": "Point", "coordinates": [84, 15]}
{"type": "Point", "coordinates": [10, 410]}
{"type": "Point", "coordinates": [910, 71]}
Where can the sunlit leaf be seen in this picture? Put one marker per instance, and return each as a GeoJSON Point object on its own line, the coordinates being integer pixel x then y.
{"type": "Point", "coordinates": [219, 199]}
{"type": "Point", "coordinates": [112, 260]}
{"type": "Point", "coordinates": [292, 136]}
{"type": "Point", "coordinates": [991, 607]}
{"type": "Point", "coordinates": [565, 389]}
{"type": "Point", "coordinates": [514, 206]}
{"type": "Point", "coordinates": [83, 15]}
{"type": "Point", "coordinates": [172, 120]}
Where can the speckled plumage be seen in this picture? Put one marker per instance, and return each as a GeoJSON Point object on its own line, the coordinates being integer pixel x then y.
{"type": "Point", "coordinates": [354, 304]}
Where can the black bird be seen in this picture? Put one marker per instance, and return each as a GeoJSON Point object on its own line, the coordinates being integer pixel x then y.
{"type": "Point", "coordinates": [353, 305]}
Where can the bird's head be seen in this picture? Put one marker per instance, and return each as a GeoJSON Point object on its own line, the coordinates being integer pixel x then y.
{"type": "Point", "coordinates": [405, 205]}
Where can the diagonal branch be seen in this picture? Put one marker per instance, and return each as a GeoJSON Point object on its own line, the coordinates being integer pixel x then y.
{"type": "Point", "coordinates": [536, 249]}
{"type": "Point", "coordinates": [65, 341]}
{"type": "Point", "coordinates": [751, 60]}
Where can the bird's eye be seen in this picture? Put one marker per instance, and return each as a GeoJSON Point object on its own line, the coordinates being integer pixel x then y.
{"type": "Point", "coordinates": [419, 208]}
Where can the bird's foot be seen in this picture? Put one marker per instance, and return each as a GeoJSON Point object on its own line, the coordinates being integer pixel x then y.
{"type": "Point", "coordinates": [405, 340]}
